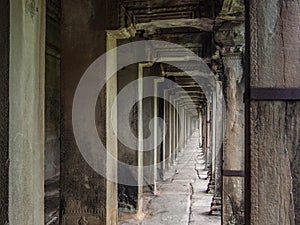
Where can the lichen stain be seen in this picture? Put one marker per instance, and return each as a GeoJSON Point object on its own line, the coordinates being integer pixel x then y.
{"type": "Point", "coordinates": [30, 8]}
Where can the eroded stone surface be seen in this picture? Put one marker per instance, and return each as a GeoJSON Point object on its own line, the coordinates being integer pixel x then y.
{"type": "Point", "coordinates": [274, 125]}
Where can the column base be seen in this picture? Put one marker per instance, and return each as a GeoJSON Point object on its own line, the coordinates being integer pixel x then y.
{"type": "Point", "coordinates": [210, 189]}
{"type": "Point", "coordinates": [211, 186]}
{"type": "Point", "coordinates": [216, 206]}
{"type": "Point", "coordinates": [206, 166]}
{"type": "Point", "coordinates": [209, 173]}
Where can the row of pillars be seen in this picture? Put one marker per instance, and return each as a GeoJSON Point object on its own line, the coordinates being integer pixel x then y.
{"type": "Point", "coordinates": [221, 125]}
{"type": "Point", "coordinates": [178, 128]}
{"type": "Point", "coordinates": [80, 186]}
{"type": "Point", "coordinates": [220, 120]}
{"type": "Point", "coordinates": [86, 194]}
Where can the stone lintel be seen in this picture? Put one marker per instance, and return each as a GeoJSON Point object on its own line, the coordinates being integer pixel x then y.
{"type": "Point", "coordinates": [204, 24]}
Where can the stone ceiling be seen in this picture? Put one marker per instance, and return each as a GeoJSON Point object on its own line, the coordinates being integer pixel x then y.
{"type": "Point", "coordinates": [203, 26]}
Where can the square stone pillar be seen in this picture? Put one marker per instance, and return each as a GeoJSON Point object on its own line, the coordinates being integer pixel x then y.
{"type": "Point", "coordinates": [140, 140]}
{"type": "Point", "coordinates": [188, 126]}
{"type": "Point", "coordinates": [218, 150]}
{"type": "Point", "coordinates": [208, 139]}
{"type": "Point", "coordinates": [204, 127]}
{"type": "Point", "coordinates": [166, 131]}
{"type": "Point", "coordinates": [185, 127]}
{"type": "Point", "coordinates": [213, 129]}
{"type": "Point", "coordinates": [176, 126]}
{"type": "Point", "coordinates": [233, 154]}
{"type": "Point", "coordinates": [157, 146]}
{"type": "Point", "coordinates": [26, 112]}
{"type": "Point", "coordinates": [173, 122]}
{"type": "Point", "coordinates": [181, 129]}
{"type": "Point", "coordinates": [200, 127]}
{"type": "Point", "coordinates": [171, 132]}
{"type": "Point", "coordinates": [273, 159]}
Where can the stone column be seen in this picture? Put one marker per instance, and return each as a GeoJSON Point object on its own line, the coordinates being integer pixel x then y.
{"type": "Point", "coordinates": [204, 124]}
{"type": "Point", "coordinates": [185, 127]}
{"type": "Point", "coordinates": [181, 129]}
{"type": "Point", "coordinates": [26, 112]}
{"type": "Point", "coordinates": [233, 155]}
{"type": "Point", "coordinates": [156, 145]}
{"type": "Point", "coordinates": [171, 132]}
{"type": "Point", "coordinates": [156, 137]}
{"type": "Point", "coordinates": [140, 182]}
{"type": "Point", "coordinates": [218, 145]}
{"type": "Point", "coordinates": [208, 138]}
{"type": "Point", "coordinates": [166, 143]}
{"type": "Point", "coordinates": [214, 130]}
{"type": "Point", "coordinates": [188, 126]}
{"type": "Point", "coordinates": [168, 139]}
{"type": "Point", "coordinates": [200, 127]}
{"type": "Point", "coordinates": [211, 184]}
{"type": "Point", "coordinates": [273, 184]}
{"type": "Point", "coordinates": [177, 128]}
{"type": "Point", "coordinates": [111, 136]}
{"type": "Point", "coordinates": [170, 136]}
{"type": "Point", "coordinates": [174, 150]}
{"type": "Point", "coordinates": [4, 109]}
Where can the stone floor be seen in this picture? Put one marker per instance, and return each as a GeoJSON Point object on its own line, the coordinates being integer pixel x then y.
{"type": "Point", "coordinates": [181, 198]}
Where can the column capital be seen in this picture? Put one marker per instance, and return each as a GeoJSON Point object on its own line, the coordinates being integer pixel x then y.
{"type": "Point", "coordinates": [229, 55]}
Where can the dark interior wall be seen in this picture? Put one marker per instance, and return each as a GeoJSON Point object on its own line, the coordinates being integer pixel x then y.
{"type": "Point", "coordinates": [148, 114]}
{"type": "Point", "coordinates": [128, 195]}
{"type": "Point", "coordinates": [52, 112]}
{"type": "Point", "coordinates": [52, 117]}
{"type": "Point", "coordinates": [4, 107]}
{"type": "Point", "coordinates": [83, 41]}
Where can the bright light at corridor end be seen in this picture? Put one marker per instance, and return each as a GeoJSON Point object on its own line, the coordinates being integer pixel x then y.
{"type": "Point", "coordinates": [94, 80]}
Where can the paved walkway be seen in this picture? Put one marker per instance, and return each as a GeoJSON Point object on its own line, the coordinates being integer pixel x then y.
{"type": "Point", "coordinates": [181, 199]}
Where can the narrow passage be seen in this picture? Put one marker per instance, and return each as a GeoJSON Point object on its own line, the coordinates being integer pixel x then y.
{"type": "Point", "coordinates": [181, 198]}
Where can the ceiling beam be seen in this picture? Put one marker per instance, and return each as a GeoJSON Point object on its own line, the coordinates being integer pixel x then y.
{"type": "Point", "coordinates": [203, 24]}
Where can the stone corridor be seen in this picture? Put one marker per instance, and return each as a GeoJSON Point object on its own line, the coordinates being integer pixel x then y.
{"type": "Point", "coordinates": [151, 112]}
{"type": "Point", "coordinates": [181, 198]}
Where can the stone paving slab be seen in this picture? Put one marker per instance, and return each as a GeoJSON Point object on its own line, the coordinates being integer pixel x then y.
{"type": "Point", "coordinates": [181, 198]}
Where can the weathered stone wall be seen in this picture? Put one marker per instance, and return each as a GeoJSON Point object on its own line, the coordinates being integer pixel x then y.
{"type": "Point", "coordinates": [83, 191]}
{"type": "Point", "coordinates": [52, 112]}
{"type": "Point", "coordinates": [275, 125]}
{"type": "Point", "coordinates": [4, 106]}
